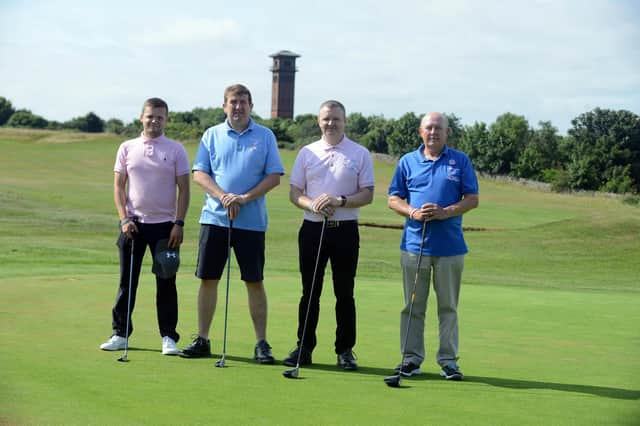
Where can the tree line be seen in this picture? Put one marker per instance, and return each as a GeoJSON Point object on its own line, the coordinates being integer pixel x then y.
{"type": "Point", "coordinates": [601, 151]}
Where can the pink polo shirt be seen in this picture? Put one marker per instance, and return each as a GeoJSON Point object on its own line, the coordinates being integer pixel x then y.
{"type": "Point", "coordinates": [342, 169]}
{"type": "Point", "coordinates": [151, 166]}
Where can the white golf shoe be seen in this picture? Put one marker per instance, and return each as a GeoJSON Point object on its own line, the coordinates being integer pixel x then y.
{"type": "Point", "coordinates": [169, 346]}
{"type": "Point", "coordinates": [115, 343]}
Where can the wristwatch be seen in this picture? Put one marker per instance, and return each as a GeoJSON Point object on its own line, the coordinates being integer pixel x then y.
{"type": "Point", "coordinates": [125, 221]}
{"type": "Point", "coordinates": [179, 222]}
{"type": "Point", "coordinates": [343, 201]}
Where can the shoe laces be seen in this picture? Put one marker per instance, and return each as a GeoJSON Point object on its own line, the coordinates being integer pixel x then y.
{"type": "Point", "coordinates": [452, 367]}
{"type": "Point", "coordinates": [263, 350]}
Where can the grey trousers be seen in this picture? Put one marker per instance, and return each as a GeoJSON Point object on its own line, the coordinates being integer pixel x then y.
{"type": "Point", "coordinates": [447, 274]}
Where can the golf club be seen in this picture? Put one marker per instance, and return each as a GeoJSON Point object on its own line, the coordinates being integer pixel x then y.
{"type": "Point", "coordinates": [220, 362]}
{"type": "Point", "coordinates": [293, 373]}
{"type": "Point", "coordinates": [124, 358]}
{"type": "Point", "coordinates": [394, 380]}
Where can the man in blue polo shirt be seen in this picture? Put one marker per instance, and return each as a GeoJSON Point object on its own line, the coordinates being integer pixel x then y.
{"type": "Point", "coordinates": [237, 164]}
{"type": "Point", "coordinates": [434, 185]}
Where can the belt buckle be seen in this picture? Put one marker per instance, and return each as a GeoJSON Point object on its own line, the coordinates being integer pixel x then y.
{"type": "Point", "coordinates": [333, 223]}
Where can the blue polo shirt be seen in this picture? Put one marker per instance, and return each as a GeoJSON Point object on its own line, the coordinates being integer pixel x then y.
{"type": "Point", "coordinates": [237, 162]}
{"type": "Point", "coordinates": [444, 181]}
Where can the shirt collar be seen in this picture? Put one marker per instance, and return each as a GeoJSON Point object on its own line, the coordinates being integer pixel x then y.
{"type": "Point", "coordinates": [248, 129]}
{"type": "Point", "coordinates": [327, 146]}
{"type": "Point", "coordinates": [420, 152]}
{"type": "Point", "coordinates": [146, 139]}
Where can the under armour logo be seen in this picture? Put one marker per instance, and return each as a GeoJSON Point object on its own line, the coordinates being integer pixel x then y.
{"type": "Point", "coordinates": [171, 254]}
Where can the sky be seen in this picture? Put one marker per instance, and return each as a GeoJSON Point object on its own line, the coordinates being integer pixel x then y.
{"type": "Point", "coordinates": [545, 60]}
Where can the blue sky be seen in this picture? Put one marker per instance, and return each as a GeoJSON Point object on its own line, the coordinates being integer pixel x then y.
{"type": "Point", "coordinates": [546, 60]}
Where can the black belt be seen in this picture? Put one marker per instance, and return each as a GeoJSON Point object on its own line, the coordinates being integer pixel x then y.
{"type": "Point", "coordinates": [334, 223]}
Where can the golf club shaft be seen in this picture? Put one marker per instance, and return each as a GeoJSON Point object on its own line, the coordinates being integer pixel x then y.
{"type": "Point", "coordinates": [126, 332]}
{"type": "Point", "coordinates": [413, 296]}
{"type": "Point", "coordinates": [313, 283]}
{"type": "Point", "coordinates": [226, 299]}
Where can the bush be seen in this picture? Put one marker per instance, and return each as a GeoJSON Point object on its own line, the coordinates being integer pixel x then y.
{"type": "Point", "coordinates": [25, 118]}
{"type": "Point", "coordinates": [403, 136]}
{"type": "Point", "coordinates": [286, 145]}
{"type": "Point", "coordinates": [6, 110]}
{"type": "Point", "coordinates": [113, 125]}
{"type": "Point", "coordinates": [90, 123]}
{"type": "Point", "coordinates": [182, 131]}
{"type": "Point", "coordinates": [375, 141]}
{"type": "Point", "coordinates": [633, 200]}
{"type": "Point", "coordinates": [620, 180]}
{"type": "Point", "coordinates": [54, 125]}
{"type": "Point", "coordinates": [559, 179]}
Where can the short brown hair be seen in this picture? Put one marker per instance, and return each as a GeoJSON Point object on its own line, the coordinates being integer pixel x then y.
{"type": "Point", "coordinates": [238, 90]}
{"type": "Point", "coordinates": [155, 103]}
{"type": "Point", "coordinates": [334, 104]}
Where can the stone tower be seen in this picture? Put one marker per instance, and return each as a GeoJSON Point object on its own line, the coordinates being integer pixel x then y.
{"type": "Point", "coordinates": [283, 83]}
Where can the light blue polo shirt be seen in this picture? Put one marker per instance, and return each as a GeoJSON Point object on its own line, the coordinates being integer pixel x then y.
{"type": "Point", "coordinates": [237, 162]}
{"type": "Point", "coordinates": [419, 180]}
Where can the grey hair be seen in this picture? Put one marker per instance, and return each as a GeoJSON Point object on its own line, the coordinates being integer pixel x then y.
{"type": "Point", "coordinates": [445, 120]}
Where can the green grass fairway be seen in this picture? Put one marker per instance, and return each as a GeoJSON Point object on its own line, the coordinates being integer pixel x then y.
{"type": "Point", "coordinates": [550, 317]}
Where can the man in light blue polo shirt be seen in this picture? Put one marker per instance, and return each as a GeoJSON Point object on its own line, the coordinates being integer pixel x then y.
{"type": "Point", "coordinates": [237, 164]}
{"type": "Point", "coordinates": [434, 185]}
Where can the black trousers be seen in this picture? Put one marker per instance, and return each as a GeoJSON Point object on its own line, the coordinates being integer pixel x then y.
{"type": "Point", "coordinates": [341, 246]}
{"type": "Point", "coordinates": [166, 293]}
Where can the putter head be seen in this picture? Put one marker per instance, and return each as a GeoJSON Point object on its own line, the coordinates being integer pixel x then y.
{"type": "Point", "coordinates": [393, 381]}
{"type": "Point", "coordinates": [123, 358]}
{"type": "Point", "coordinates": [220, 363]}
{"type": "Point", "coordinates": [291, 374]}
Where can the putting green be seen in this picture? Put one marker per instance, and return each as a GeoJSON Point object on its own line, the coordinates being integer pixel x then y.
{"type": "Point", "coordinates": [548, 311]}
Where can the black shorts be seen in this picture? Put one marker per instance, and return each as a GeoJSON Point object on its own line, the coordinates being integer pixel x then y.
{"type": "Point", "coordinates": [248, 246]}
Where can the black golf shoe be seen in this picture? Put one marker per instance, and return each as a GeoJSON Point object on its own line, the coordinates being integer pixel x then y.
{"type": "Point", "coordinates": [199, 348]}
{"type": "Point", "coordinates": [262, 353]}
{"type": "Point", "coordinates": [408, 369]}
{"type": "Point", "coordinates": [292, 359]}
{"type": "Point", "coordinates": [347, 361]}
{"type": "Point", "coordinates": [451, 372]}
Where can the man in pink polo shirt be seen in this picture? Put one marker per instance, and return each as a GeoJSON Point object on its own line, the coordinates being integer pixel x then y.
{"type": "Point", "coordinates": [331, 178]}
{"type": "Point", "coordinates": [147, 171]}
